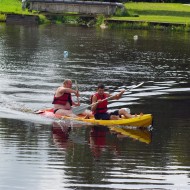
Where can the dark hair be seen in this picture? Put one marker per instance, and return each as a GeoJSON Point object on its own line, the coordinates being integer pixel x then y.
{"type": "Point", "coordinates": [100, 85]}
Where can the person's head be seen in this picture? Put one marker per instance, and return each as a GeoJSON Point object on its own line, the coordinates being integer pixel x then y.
{"type": "Point", "coordinates": [67, 83]}
{"type": "Point", "coordinates": [100, 88]}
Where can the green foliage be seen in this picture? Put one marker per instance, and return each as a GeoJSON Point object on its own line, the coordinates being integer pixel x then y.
{"type": "Point", "coordinates": [43, 19]}
{"type": "Point", "coordinates": [70, 19]}
{"type": "Point", "coordinates": [2, 17]}
{"type": "Point", "coordinates": [100, 20]}
{"type": "Point", "coordinates": [120, 12]}
{"type": "Point", "coordinates": [125, 13]}
{"type": "Point", "coordinates": [149, 26]}
{"type": "Point", "coordinates": [60, 19]}
{"type": "Point", "coordinates": [159, 27]}
{"type": "Point", "coordinates": [129, 25]}
{"type": "Point", "coordinates": [187, 28]}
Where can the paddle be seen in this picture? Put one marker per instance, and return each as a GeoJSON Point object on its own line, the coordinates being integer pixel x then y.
{"type": "Point", "coordinates": [82, 108]}
{"type": "Point", "coordinates": [76, 84]}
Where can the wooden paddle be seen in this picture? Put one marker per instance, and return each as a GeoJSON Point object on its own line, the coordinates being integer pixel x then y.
{"type": "Point", "coordinates": [82, 108]}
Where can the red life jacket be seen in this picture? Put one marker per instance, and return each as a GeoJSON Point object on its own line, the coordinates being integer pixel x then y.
{"type": "Point", "coordinates": [101, 107]}
{"type": "Point", "coordinates": [66, 97]}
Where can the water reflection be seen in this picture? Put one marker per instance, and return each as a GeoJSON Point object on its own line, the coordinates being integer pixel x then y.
{"type": "Point", "coordinates": [94, 157]}
{"type": "Point", "coordinates": [60, 136]}
{"type": "Point", "coordinates": [141, 135]}
{"type": "Point", "coordinates": [99, 138]}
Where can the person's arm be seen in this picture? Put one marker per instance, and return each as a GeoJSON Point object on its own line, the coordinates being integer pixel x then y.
{"type": "Point", "coordinates": [94, 101]}
{"type": "Point", "coordinates": [78, 101]}
{"type": "Point", "coordinates": [76, 92]}
{"type": "Point", "coordinates": [63, 90]}
{"type": "Point", "coordinates": [117, 96]}
{"type": "Point", "coordinates": [75, 103]}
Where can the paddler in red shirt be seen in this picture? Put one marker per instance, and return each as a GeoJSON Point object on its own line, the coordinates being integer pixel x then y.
{"type": "Point", "coordinates": [62, 99]}
{"type": "Point", "coordinates": [100, 110]}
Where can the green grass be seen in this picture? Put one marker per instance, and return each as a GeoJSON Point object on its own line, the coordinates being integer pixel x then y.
{"type": "Point", "coordinates": [161, 19]}
{"type": "Point", "coordinates": [12, 6]}
{"type": "Point", "coordinates": [157, 12]}
{"type": "Point", "coordinates": [163, 8]}
{"type": "Point", "coordinates": [15, 7]}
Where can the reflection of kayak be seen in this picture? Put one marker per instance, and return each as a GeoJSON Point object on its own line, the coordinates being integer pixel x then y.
{"type": "Point", "coordinates": [140, 135]}
{"type": "Point", "coordinates": [138, 121]}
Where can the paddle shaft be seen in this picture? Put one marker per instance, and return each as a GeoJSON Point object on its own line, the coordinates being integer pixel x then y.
{"type": "Point", "coordinates": [77, 90]}
{"type": "Point", "coordinates": [81, 109]}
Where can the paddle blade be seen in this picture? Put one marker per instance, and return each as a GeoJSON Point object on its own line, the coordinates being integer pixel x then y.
{"type": "Point", "coordinates": [139, 85]}
{"type": "Point", "coordinates": [80, 109]}
{"type": "Point", "coordinates": [135, 86]}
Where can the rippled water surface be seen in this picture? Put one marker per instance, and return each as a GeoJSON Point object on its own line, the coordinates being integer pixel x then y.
{"type": "Point", "coordinates": [40, 153]}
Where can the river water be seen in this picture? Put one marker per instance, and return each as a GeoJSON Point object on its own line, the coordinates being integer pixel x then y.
{"type": "Point", "coordinates": [43, 154]}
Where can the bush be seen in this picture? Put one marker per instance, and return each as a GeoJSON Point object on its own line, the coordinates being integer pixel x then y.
{"type": "Point", "coordinates": [187, 28]}
{"type": "Point", "coordinates": [2, 17]}
{"type": "Point", "coordinates": [100, 20]}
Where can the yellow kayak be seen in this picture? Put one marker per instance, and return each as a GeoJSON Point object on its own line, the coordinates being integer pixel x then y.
{"type": "Point", "coordinates": [138, 121]}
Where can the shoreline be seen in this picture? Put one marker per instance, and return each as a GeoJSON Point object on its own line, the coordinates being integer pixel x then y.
{"type": "Point", "coordinates": [148, 16]}
{"type": "Point", "coordinates": [107, 23]}
{"type": "Point", "coordinates": [143, 21]}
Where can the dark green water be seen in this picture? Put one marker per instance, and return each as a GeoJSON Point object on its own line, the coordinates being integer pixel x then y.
{"type": "Point", "coordinates": [39, 153]}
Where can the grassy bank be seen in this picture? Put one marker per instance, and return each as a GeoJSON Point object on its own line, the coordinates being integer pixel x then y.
{"type": "Point", "coordinates": [12, 6]}
{"type": "Point", "coordinates": [141, 14]}
{"type": "Point", "coordinates": [173, 13]}
{"type": "Point", "coordinates": [15, 7]}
